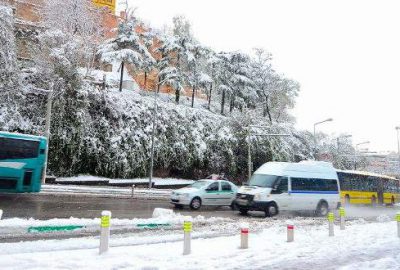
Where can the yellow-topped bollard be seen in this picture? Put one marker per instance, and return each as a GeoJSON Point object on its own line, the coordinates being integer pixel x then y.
{"type": "Point", "coordinates": [104, 231]}
{"type": "Point", "coordinates": [187, 229]}
{"type": "Point", "coordinates": [398, 223]}
{"type": "Point", "coordinates": [342, 215]}
{"type": "Point", "coordinates": [331, 218]}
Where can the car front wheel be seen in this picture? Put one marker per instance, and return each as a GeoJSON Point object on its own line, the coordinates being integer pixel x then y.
{"type": "Point", "coordinates": [195, 204]}
{"type": "Point", "coordinates": [271, 210]}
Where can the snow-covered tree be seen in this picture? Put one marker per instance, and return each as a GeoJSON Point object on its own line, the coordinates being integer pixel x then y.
{"type": "Point", "coordinates": [8, 58]}
{"type": "Point", "coordinates": [196, 75]}
{"type": "Point", "coordinates": [233, 74]}
{"type": "Point", "coordinates": [10, 93]}
{"type": "Point", "coordinates": [126, 47]}
{"type": "Point", "coordinates": [78, 19]}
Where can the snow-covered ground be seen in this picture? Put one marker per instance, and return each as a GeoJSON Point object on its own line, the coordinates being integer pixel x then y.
{"type": "Point", "coordinates": [156, 181]}
{"type": "Point", "coordinates": [106, 191]}
{"type": "Point", "coordinates": [361, 246]}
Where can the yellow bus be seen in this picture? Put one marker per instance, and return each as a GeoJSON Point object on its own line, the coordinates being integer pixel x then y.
{"type": "Point", "coordinates": [357, 187]}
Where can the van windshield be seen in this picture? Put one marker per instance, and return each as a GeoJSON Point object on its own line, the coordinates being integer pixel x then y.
{"type": "Point", "coordinates": [262, 180]}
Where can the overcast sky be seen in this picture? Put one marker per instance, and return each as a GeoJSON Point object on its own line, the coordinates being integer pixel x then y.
{"type": "Point", "coordinates": [344, 53]}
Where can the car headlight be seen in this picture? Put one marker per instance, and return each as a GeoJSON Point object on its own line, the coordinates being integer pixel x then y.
{"type": "Point", "coordinates": [257, 197]}
{"type": "Point", "coordinates": [185, 195]}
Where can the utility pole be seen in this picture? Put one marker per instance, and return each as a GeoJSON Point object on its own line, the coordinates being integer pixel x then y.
{"type": "Point", "coordinates": [47, 128]}
{"type": "Point", "coordinates": [355, 153]}
{"type": "Point", "coordinates": [153, 135]}
{"type": "Point", "coordinates": [315, 138]}
{"type": "Point", "coordinates": [249, 162]}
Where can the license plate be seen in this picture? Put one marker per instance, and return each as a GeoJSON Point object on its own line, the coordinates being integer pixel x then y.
{"type": "Point", "coordinates": [241, 202]}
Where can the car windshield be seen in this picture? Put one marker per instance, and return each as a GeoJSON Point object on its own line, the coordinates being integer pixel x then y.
{"type": "Point", "coordinates": [199, 184]}
{"type": "Point", "coordinates": [262, 180]}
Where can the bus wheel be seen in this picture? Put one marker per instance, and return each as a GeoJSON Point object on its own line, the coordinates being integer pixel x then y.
{"type": "Point", "coordinates": [271, 210]}
{"type": "Point", "coordinates": [347, 199]}
{"type": "Point", "coordinates": [322, 209]}
{"type": "Point", "coordinates": [373, 201]}
{"type": "Point", "coordinates": [392, 202]}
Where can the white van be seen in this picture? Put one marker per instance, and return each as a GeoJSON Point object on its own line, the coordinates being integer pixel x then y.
{"type": "Point", "coordinates": [307, 185]}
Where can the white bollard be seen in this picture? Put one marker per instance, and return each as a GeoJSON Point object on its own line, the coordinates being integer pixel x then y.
{"type": "Point", "coordinates": [187, 229]}
{"type": "Point", "coordinates": [1, 213]}
{"type": "Point", "coordinates": [244, 236]}
{"type": "Point", "coordinates": [290, 231]}
{"type": "Point", "coordinates": [133, 190]}
{"type": "Point", "coordinates": [342, 215]}
{"type": "Point", "coordinates": [398, 223]}
{"type": "Point", "coordinates": [104, 231]}
{"type": "Point", "coordinates": [331, 218]}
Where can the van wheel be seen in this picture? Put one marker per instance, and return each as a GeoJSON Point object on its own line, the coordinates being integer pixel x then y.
{"type": "Point", "coordinates": [243, 212]}
{"type": "Point", "coordinates": [271, 210]}
{"type": "Point", "coordinates": [195, 204]}
{"type": "Point", "coordinates": [322, 209]}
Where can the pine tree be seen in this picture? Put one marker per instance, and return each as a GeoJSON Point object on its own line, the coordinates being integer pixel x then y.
{"type": "Point", "coordinates": [126, 47]}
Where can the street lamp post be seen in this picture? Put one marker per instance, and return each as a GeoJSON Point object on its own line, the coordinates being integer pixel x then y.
{"type": "Point", "coordinates": [47, 128]}
{"type": "Point", "coordinates": [315, 139]}
{"type": "Point", "coordinates": [355, 152]}
{"type": "Point", "coordinates": [153, 135]}
{"type": "Point", "coordinates": [249, 144]}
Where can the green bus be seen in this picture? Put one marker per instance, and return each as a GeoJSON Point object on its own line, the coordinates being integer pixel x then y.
{"type": "Point", "coordinates": [22, 162]}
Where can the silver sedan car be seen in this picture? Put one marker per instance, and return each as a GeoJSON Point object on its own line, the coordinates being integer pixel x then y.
{"type": "Point", "coordinates": [205, 192]}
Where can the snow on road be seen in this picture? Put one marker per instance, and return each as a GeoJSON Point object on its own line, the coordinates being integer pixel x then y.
{"type": "Point", "coordinates": [157, 181]}
{"type": "Point", "coordinates": [361, 246]}
{"type": "Point", "coordinates": [105, 191]}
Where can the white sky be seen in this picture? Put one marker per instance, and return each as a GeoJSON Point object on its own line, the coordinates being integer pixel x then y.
{"type": "Point", "coordinates": [344, 53]}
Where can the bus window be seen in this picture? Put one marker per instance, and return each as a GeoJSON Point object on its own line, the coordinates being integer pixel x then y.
{"type": "Point", "coordinates": [18, 149]}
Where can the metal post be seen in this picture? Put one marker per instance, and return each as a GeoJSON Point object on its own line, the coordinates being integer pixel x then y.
{"type": "Point", "coordinates": [398, 224]}
{"type": "Point", "coordinates": [153, 134]}
{"type": "Point", "coordinates": [244, 236]}
{"type": "Point", "coordinates": [398, 145]}
{"type": "Point", "coordinates": [187, 229]}
{"type": "Point", "coordinates": [1, 213]}
{"type": "Point", "coordinates": [47, 128]}
{"type": "Point", "coordinates": [342, 218]}
{"type": "Point", "coordinates": [104, 231]}
{"type": "Point", "coordinates": [249, 153]}
{"type": "Point", "coordinates": [290, 231]}
{"type": "Point", "coordinates": [133, 190]}
{"type": "Point", "coordinates": [331, 218]}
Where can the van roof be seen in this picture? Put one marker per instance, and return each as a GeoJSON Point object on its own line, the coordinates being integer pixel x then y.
{"type": "Point", "coordinates": [317, 169]}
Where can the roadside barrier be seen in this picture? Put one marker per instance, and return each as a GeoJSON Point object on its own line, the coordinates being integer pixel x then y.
{"type": "Point", "coordinates": [187, 229]}
{"type": "Point", "coordinates": [331, 218]}
{"type": "Point", "coordinates": [398, 223]}
{"type": "Point", "coordinates": [342, 215]}
{"type": "Point", "coordinates": [104, 231]}
{"type": "Point", "coordinates": [244, 236]}
{"type": "Point", "coordinates": [290, 231]}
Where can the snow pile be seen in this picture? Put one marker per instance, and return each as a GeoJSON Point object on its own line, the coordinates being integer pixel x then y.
{"type": "Point", "coordinates": [162, 213]}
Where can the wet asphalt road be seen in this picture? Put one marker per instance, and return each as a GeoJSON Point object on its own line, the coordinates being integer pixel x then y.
{"type": "Point", "coordinates": [40, 206]}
